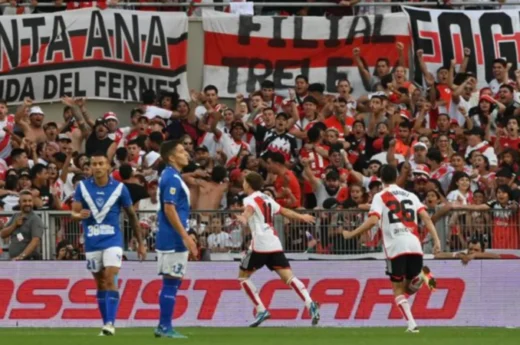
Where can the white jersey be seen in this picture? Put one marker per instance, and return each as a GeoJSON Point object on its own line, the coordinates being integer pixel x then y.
{"type": "Point", "coordinates": [265, 238]}
{"type": "Point", "coordinates": [398, 212]}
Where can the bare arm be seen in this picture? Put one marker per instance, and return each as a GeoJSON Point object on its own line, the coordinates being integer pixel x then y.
{"type": "Point", "coordinates": [363, 72]}
{"type": "Point", "coordinates": [292, 215]}
{"type": "Point", "coordinates": [134, 224]}
{"type": "Point", "coordinates": [425, 217]}
{"type": "Point", "coordinates": [367, 225]}
{"type": "Point", "coordinates": [464, 65]}
{"type": "Point", "coordinates": [427, 75]}
{"type": "Point", "coordinates": [309, 175]}
{"type": "Point", "coordinates": [6, 232]}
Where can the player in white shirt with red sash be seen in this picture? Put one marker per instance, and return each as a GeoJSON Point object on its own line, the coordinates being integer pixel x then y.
{"type": "Point", "coordinates": [397, 211]}
{"type": "Point", "coordinates": [266, 248]}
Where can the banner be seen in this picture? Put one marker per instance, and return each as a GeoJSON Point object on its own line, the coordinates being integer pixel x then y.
{"type": "Point", "coordinates": [240, 52]}
{"type": "Point", "coordinates": [443, 35]}
{"type": "Point", "coordinates": [109, 54]}
{"type": "Point", "coordinates": [351, 294]}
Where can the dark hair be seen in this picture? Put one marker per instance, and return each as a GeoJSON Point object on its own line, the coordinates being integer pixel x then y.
{"type": "Point", "coordinates": [277, 157]}
{"type": "Point", "coordinates": [174, 97]}
{"type": "Point", "coordinates": [77, 178]}
{"type": "Point", "coordinates": [255, 181]}
{"type": "Point", "coordinates": [500, 61]}
{"type": "Point", "coordinates": [438, 184]}
{"type": "Point", "coordinates": [148, 97]}
{"type": "Point", "coordinates": [211, 87]}
{"type": "Point", "coordinates": [125, 170]}
{"type": "Point", "coordinates": [332, 175]}
{"type": "Point", "coordinates": [121, 154]}
{"type": "Point", "coordinates": [301, 76]}
{"type": "Point", "coordinates": [167, 147]}
{"type": "Point", "coordinates": [243, 162]}
{"type": "Point", "coordinates": [3, 101]}
{"type": "Point", "coordinates": [16, 153]}
{"type": "Point", "coordinates": [267, 84]}
{"type": "Point", "coordinates": [218, 174]}
{"type": "Point", "coordinates": [313, 134]}
{"type": "Point", "coordinates": [434, 155]}
{"type": "Point", "coordinates": [135, 142]}
{"type": "Point", "coordinates": [507, 86]}
{"type": "Point", "coordinates": [60, 157]}
{"type": "Point", "coordinates": [456, 177]}
{"type": "Point", "coordinates": [359, 121]}
{"type": "Point", "coordinates": [504, 188]}
{"type": "Point", "coordinates": [388, 174]}
{"type": "Point", "coordinates": [11, 182]}
{"type": "Point", "coordinates": [385, 60]}
{"type": "Point", "coordinates": [99, 154]}
{"type": "Point", "coordinates": [156, 138]}
{"type": "Point", "coordinates": [37, 169]}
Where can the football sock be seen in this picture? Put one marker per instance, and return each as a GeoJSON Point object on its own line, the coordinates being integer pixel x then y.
{"type": "Point", "coordinates": [300, 289]}
{"type": "Point", "coordinates": [404, 306]}
{"type": "Point", "coordinates": [167, 302]}
{"type": "Point", "coordinates": [101, 299]}
{"type": "Point", "coordinates": [112, 302]}
{"type": "Point", "coordinates": [251, 292]}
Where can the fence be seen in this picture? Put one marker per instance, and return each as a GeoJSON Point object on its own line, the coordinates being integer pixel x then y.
{"type": "Point", "coordinates": [221, 237]}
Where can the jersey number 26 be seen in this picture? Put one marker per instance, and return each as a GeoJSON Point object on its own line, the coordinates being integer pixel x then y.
{"type": "Point", "coordinates": [400, 211]}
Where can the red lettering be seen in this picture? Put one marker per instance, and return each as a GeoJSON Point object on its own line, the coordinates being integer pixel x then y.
{"type": "Point", "coordinates": [78, 293]}
{"type": "Point", "coordinates": [345, 301]}
{"type": "Point", "coordinates": [436, 43]}
{"type": "Point", "coordinates": [267, 293]}
{"type": "Point", "coordinates": [150, 295]}
{"type": "Point", "coordinates": [372, 296]}
{"type": "Point", "coordinates": [6, 292]}
{"type": "Point", "coordinates": [214, 289]}
{"type": "Point", "coordinates": [51, 303]}
{"type": "Point", "coordinates": [128, 298]}
{"type": "Point", "coordinates": [455, 287]}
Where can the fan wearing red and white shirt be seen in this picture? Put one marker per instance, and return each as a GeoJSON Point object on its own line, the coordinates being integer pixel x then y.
{"type": "Point", "coordinates": [269, 97]}
{"type": "Point", "coordinates": [439, 171]}
{"type": "Point", "coordinates": [511, 137]}
{"type": "Point", "coordinates": [232, 143]}
{"type": "Point", "coordinates": [476, 142]}
{"type": "Point", "coordinates": [340, 120]}
{"type": "Point", "coordinates": [266, 248]}
{"type": "Point", "coordinates": [6, 129]}
{"type": "Point", "coordinates": [397, 212]}
{"type": "Point", "coordinates": [316, 154]}
{"type": "Point", "coordinates": [299, 130]}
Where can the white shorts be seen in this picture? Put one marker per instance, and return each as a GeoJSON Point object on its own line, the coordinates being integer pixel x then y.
{"type": "Point", "coordinates": [172, 264]}
{"type": "Point", "coordinates": [110, 257]}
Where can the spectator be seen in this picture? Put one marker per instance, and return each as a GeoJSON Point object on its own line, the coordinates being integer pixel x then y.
{"type": "Point", "coordinates": [218, 240]}
{"type": "Point", "coordinates": [25, 231]}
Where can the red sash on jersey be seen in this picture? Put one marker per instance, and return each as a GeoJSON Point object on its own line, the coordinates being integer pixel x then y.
{"type": "Point", "coordinates": [10, 125]}
{"type": "Point", "coordinates": [483, 148]}
{"type": "Point", "coordinates": [389, 199]}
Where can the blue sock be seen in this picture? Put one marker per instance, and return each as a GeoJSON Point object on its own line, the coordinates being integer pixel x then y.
{"type": "Point", "coordinates": [101, 300]}
{"type": "Point", "coordinates": [167, 302]}
{"type": "Point", "coordinates": [111, 305]}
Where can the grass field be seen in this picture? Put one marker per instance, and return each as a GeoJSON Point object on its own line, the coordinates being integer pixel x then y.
{"type": "Point", "coordinates": [264, 336]}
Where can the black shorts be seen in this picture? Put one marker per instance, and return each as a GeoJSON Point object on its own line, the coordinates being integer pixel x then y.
{"type": "Point", "coordinates": [254, 261]}
{"type": "Point", "coordinates": [406, 266]}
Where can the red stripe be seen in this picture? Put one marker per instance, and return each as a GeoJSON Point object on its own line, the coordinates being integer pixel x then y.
{"type": "Point", "coordinates": [268, 217]}
{"type": "Point", "coordinates": [295, 288]}
{"type": "Point", "coordinates": [218, 46]}
{"type": "Point", "coordinates": [249, 293]}
{"type": "Point", "coordinates": [387, 197]}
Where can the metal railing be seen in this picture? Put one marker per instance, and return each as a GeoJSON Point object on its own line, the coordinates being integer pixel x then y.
{"type": "Point", "coordinates": [218, 233]}
{"type": "Point", "coordinates": [288, 4]}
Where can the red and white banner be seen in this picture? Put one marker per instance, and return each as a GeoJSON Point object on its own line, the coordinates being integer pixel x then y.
{"type": "Point", "coordinates": [443, 35]}
{"type": "Point", "coordinates": [62, 294]}
{"type": "Point", "coordinates": [111, 54]}
{"type": "Point", "coordinates": [240, 52]}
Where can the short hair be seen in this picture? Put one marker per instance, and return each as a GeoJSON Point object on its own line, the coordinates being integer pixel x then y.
{"type": "Point", "coordinates": [255, 181]}
{"type": "Point", "coordinates": [37, 169]}
{"type": "Point", "coordinates": [218, 174]}
{"type": "Point", "coordinates": [125, 170]}
{"type": "Point", "coordinates": [301, 76]}
{"type": "Point", "coordinates": [388, 174]}
{"type": "Point", "coordinates": [3, 101]}
{"type": "Point", "coordinates": [16, 153]}
{"type": "Point", "coordinates": [507, 86]}
{"type": "Point", "coordinates": [148, 96]}
{"type": "Point", "coordinates": [25, 192]}
{"type": "Point", "coordinates": [267, 84]}
{"type": "Point", "coordinates": [121, 154]}
{"type": "Point", "coordinates": [385, 60]}
{"type": "Point", "coordinates": [60, 157]}
{"type": "Point", "coordinates": [277, 157]}
{"type": "Point", "coordinates": [99, 154]}
{"type": "Point", "coordinates": [156, 137]}
{"type": "Point", "coordinates": [211, 87]}
{"type": "Point", "coordinates": [500, 61]}
{"type": "Point", "coordinates": [434, 155]}
{"type": "Point", "coordinates": [167, 147]}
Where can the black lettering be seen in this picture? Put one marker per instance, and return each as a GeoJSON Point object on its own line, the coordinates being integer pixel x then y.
{"type": "Point", "coordinates": [256, 79]}
{"type": "Point", "coordinates": [245, 27]}
{"type": "Point", "coordinates": [156, 45]}
{"type": "Point", "coordinates": [78, 92]}
{"type": "Point", "coordinates": [65, 84]}
{"type": "Point", "coordinates": [129, 84]}
{"type": "Point", "coordinates": [145, 84]}
{"type": "Point", "coordinates": [280, 74]}
{"type": "Point", "coordinates": [364, 31]}
{"type": "Point", "coordinates": [10, 44]}
{"type": "Point", "coordinates": [114, 83]}
{"type": "Point", "coordinates": [27, 89]}
{"type": "Point", "coordinates": [277, 41]}
{"type": "Point", "coordinates": [299, 42]}
{"type": "Point", "coordinates": [160, 86]}
{"type": "Point", "coordinates": [506, 50]}
{"type": "Point", "coordinates": [333, 75]}
{"type": "Point", "coordinates": [50, 87]}
{"type": "Point", "coordinates": [97, 36]}
{"type": "Point", "coordinates": [34, 23]}
{"type": "Point", "coordinates": [377, 37]}
{"type": "Point", "coordinates": [60, 41]}
{"type": "Point", "coordinates": [333, 40]}
{"type": "Point", "coordinates": [233, 64]}
{"type": "Point", "coordinates": [417, 16]}
{"type": "Point", "coordinates": [13, 90]}
{"type": "Point", "coordinates": [446, 21]}
{"type": "Point", "coordinates": [174, 85]}
{"type": "Point", "coordinates": [122, 36]}
{"type": "Point", "coordinates": [100, 81]}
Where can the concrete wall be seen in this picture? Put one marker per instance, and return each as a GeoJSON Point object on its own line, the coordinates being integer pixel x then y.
{"type": "Point", "coordinates": [53, 111]}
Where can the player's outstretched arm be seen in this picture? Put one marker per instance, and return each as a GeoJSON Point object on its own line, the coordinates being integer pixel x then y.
{"type": "Point", "coordinates": [307, 218]}
{"type": "Point", "coordinates": [175, 221]}
{"type": "Point", "coordinates": [244, 217]}
{"type": "Point", "coordinates": [138, 233]}
{"type": "Point", "coordinates": [427, 221]}
{"type": "Point", "coordinates": [367, 225]}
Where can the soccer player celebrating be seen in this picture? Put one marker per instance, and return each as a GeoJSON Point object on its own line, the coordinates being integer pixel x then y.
{"type": "Point", "coordinates": [172, 240]}
{"type": "Point", "coordinates": [266, 248]}
{"type": "Point", "coordinates": [97, 203]}
{"type": "Point", "coordinates": [397, 211]}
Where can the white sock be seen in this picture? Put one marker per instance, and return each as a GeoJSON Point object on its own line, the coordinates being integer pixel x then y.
{"type": "Point", "coordinates": [300, 289]}
{"type": "Point", "coordinates": [404, 306]}
{"type": "Point", "coordinates": [251, 292]}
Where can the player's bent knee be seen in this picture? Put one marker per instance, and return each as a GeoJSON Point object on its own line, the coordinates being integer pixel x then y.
{"type": "Point", "coordinates": [289, 280]}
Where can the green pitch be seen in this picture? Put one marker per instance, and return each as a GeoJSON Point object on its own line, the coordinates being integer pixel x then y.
{"type": "Point", "coordinates": [265, 336]}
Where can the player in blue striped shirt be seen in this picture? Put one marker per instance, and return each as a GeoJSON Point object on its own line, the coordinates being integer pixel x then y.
{"type": "Point", "coordinates": [172, 243]}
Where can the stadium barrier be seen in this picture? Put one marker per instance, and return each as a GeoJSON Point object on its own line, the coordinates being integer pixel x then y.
{"type": "Point", "coordinates": [497, 229]}
{"type": "Point", "coordinates": [352, 294]}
